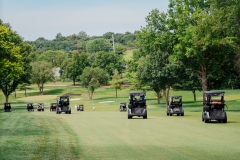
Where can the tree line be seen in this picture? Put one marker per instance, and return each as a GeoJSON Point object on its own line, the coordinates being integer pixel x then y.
{"type": "Point", "coordinates": [193, 46]}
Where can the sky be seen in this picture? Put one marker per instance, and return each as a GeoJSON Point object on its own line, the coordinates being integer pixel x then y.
{"type": "Point", "coordinates": [32, 19]}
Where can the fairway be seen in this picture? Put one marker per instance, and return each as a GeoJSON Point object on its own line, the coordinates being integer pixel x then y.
{"type": "Point", "coordinates": [107, 133]}
{"type": "Point", "coordinates": [110, 135]}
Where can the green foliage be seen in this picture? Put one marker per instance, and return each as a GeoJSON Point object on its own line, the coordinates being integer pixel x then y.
{"type": "Point", "coordinates": [109, 61]}
{"type": "Point", "coordinates": [73, 67]}
{"type": "Point", "coordinates": [55, 57]}
{"type": "Point", "coordinates": [11, 63]}
{"type": "Point", "coordinates": [204, 44]}
{"type": "Point", "coordinates": [42, 72]}
{"type": "Point", "coordinates": [116, 82]}
{"type": "Point", "coordinates": [119, 48]}
{"type": "Point", "coordinates": [91, 79]}
{"type": "Point", "coordinates": [98, 45]}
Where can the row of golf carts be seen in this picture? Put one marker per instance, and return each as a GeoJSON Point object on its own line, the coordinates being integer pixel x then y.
{"type": "Point", "coordinates": [213, 106]}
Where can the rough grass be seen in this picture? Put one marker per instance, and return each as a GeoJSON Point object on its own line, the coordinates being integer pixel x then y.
{"type": "Point", "coordinates": [107, 133]}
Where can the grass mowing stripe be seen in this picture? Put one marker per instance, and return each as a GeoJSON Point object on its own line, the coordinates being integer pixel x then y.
{"type": "Point", "coordinates": [36, 136]}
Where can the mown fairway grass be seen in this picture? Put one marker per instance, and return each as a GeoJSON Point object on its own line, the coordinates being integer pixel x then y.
{"type": "Point", "coordinates": [107, 133]}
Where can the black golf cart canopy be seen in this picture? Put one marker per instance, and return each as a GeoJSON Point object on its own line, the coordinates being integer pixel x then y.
{"type": "Point", "coordinates": [214, 93]}
{"type": "Point", "coordinates": [137, 93]}
{"type": "Point", "coordinates": [176, 97]}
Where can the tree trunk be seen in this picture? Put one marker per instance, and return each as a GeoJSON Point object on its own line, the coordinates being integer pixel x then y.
{"type": "Point", "coordinates": [167, 95]}
{"type": "Point", "coordinates": [89, 96]}
{"type": "Point", "coordinates": [158, 97]}
{"type": "Point", "coordinates": [74, 81]}
{"type": "Point", "coordinates": [6, 99]}
{"type": "Point", "coordinates": [194, 95]}
{"type": "Point", "coordinates": [204, 80]}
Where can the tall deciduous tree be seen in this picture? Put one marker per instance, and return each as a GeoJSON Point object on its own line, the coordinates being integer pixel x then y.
{"type": "Point", "coordinates": [42, 72]}
{"type": "Point", "coordinates": [157, 41]}
{"type": "Point", "coordinates": [91, 79]}
{"type": "Point", "coordinates": [11, 67]}
{"type": "Point", "coordinates": [204, 43]}
{"type": "Point", "coordinates": [116, 81]}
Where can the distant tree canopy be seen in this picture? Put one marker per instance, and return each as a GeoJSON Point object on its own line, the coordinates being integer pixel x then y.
{"type": "Point", "coordinates": [98, 45]}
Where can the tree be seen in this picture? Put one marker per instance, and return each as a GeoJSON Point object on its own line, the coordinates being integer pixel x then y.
{"type": "Point", "coordinates": [42, 72]}
{"type": "Point", "coordinates": [73, 67]}
{"type": "Point", "coordinates": [156, 42]}
{"type": "Point", "coordinates": [109, 61]}
{"type": "Point", "coordinates": [98, 45]}
{"type": "Point", "coordinates": [10, 62]}
{"type": "Point", "coordinates": [24, 87]}
{"type": "Point", "coordinates": [119, 48]}
{"type": "Point", "coordinates": [91, 79]}
{"type": "Point", "coordinates": [204, 44]}
{"type": "Point", "coordinates": [55, 57]}
{"type": "Point", "coordinates": [116, 81]}
{"type": "Point", "coordinates": [157, 72]}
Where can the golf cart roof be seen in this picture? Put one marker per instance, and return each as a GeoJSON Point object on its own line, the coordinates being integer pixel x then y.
{"type": "Point", "coordinates": [176, 97]}
{"type": "Point", "coordinates": [63, 96]}
{"type": "Point", "coordinates": [137, 93]}
{"type": "Point", "coordinates": [214, 93]}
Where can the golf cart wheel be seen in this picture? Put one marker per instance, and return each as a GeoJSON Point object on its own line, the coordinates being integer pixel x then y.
{"type": "Point", "coordinates": [182, 114]}
{"type": "Point", "coordinates": [178, 114]}
{"type": "Point", "coordinates": [69, 112]}
{"type": "Point", "coordinates": [167, 114]}
{"type": "Point", "coordinates": [145, 117]}
{"type": "Point", "coordinates": [225, 120]}
{"type": "Point", "coordinates": [202, 118]}
{"type": "Point", "coordinates": [170, 114]}
{"type": "Point", "coordinates": [206, 121]}
{"type": "Point", "coordinates": [129, 117]}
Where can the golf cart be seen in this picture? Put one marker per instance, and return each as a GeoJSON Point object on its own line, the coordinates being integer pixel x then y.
{"type": "Point", "coordinates": [53, 106]}
{"type": "Point", "coordinates": [137, 107]}
{"type": "Point", "coordinates": [213, 107]}
{"type": "Point", "coordinates": [80, 107]}
{"type": "Point", "coordinates": [40, 107]}
{"type": "Point", "coordinates": [30, 107]}
{"type": "Point", "coordinates": [7, 107]}
{"type": "Point", "coordinates": [175, 106]}
{"type": "Point", "coordinates": [123, 106]}
{"type": "Point", "coordinates": [63, 105]}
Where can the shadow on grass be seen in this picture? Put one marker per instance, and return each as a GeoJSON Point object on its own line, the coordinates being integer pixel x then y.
{"type": "Point", "coordinates": [20, 132]}
{"type": "Point", "coordinates": [47, 92]}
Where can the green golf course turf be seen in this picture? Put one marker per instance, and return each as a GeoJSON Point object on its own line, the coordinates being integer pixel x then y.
{"type": "Point", "coordinates": [107, 133]}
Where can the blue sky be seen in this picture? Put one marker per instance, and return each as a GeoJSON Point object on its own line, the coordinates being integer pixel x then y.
{"type": "Point", "coordinates": [45, 18]}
